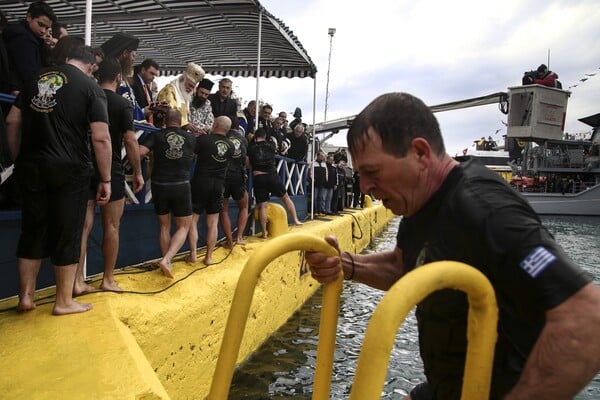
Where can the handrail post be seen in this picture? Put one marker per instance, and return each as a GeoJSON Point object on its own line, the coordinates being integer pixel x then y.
{"type": "Point", "coordinates": [411, 289]}
{"type": "Point", "coordinates": [240, 307]}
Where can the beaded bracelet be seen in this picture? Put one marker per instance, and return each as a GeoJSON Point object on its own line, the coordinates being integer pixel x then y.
{"type": "Point", "coordinates": [353, 266]}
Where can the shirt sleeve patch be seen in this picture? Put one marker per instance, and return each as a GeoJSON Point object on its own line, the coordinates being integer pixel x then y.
{"type": "Point", "coordinates": [537, 261]}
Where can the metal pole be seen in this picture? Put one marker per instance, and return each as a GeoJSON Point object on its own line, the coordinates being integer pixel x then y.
{"type": "Point", "coordinates": [311, 156]}
{"type": "Point", "coordinates": [258, 68]}
{"type": "Point", "coordinates": [88, 22]}
{"type": "Point", "coordinates": [331, 33]}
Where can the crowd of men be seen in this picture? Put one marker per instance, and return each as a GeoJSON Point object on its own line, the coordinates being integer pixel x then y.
{"type": "Point", "coordinates": [199, 156]}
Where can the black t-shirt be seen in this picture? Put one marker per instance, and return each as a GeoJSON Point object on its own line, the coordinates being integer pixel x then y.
{"type": "Point", "coordinates": [173, 155]}
{"type": "Point", "coordinates": [57, 109]}
{"type": "Point", "coordinates": [298, 147]}
{"type": "Point", "coordinates": [477, 219]}
{"type": "Point", "coordinates": [226, 107]}
{"type": "Point", "coordinates": [120, 115]}
{"type": "Point", "coordinates": [262, 156]}
{"type": "Point", "coordinates": [214, 154]}
{"type": "Point", "coordinates": [240, 151]}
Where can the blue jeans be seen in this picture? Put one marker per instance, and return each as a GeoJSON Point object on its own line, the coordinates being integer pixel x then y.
{"type": "Point", "coordinates": [328, 196]}
{"type": "Point", "coordinates": [320, 196]}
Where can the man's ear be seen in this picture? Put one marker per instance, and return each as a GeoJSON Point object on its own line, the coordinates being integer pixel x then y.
{"type": "Point", "coordinates": [421, 148]}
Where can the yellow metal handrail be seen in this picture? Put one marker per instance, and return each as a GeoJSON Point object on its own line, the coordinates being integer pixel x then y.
{"type": "Point", "coordinates": [240, 306]}
{"type": "Point", "coordinates": [401, 298]}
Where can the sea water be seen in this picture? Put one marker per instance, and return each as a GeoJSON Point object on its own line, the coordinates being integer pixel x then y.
{"type": "Point", "coordinates": [283, 368]}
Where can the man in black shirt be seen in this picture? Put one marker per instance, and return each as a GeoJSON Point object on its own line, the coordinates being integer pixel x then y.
{"type": "Point", "coordinates": [173, 150]}
{"type": "Point", "coordinates": [25, 44]}
{"type": "Point", "coordinates": [261, 154]}
{"type": "Point", "coordinates": [235, 185]}
{"type": "Point", "coordinates": [120, 118]}
{"type": "Point", "coordinates": [221, 101]}
{"type": "Point", "coordinates": [548, 345]}
{"type": "Point", "coordinates": [214, 152]}
{"type": "Point", "coordinates": [52, 118]}
{"type": "Point", "coordinates": [298, 144]}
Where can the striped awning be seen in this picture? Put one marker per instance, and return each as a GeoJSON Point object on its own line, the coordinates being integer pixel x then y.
{"type": "Point", "coordinates": [221, 35]}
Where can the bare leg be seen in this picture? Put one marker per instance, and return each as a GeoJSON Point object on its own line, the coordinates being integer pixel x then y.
{"type": "Point", "coordinates": [164, 236]}
{"type": "Point", "coordinates": [242, 218]}
{"type": "Point", "coordinates": [65, 277]}
{"type": "Point", "coordinates": [211, 236]}
{"type": "Point", "coordinates": [226, 223]}
{"type": "Point", "coordinates": [182, 225]}
{"type": "Point", "coordinates": [111, 219]}
{"type": "Point", "coordinates": [193, 239]}
{"type": "Point", "coordinates": [289, 205]}
{"type": "Point", "coordinates": [28, 272]}
{"type": "Point", "coordinates": [80, 287]}
{"type": "Point", "coordinates": [262, 218]}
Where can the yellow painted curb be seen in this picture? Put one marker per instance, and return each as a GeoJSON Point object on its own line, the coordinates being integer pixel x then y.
{"type": "Point", "coordinates": [163, 345]}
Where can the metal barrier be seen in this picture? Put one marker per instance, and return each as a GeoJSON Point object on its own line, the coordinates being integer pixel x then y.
{"type": "Point", "coordinates": [402, 297]}
{"type": "Point", "coordinates": [240, 306]}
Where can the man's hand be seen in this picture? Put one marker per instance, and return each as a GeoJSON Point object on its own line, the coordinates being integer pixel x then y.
{"type": "Point", "coordinates": [194, 129]}
{"type": "Point", "coordinates": [324, 268]}
{"type": "Point", "coordinates": [103, 193]}
{"type": "Point", "coordinates": [138, 183]}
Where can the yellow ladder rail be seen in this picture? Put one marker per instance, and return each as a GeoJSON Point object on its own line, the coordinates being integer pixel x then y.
{"type": "Point", "coordinates": [240, 306]}
{"type": "Point", "coordinates": [401, 298]}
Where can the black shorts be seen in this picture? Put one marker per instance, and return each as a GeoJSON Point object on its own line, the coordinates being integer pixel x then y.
{"type": "Point", "coordinates": [266, 185]}
{"type": "Point", "coordinates": [52, 214]}
{"type": "Point", "coordinates": [117, 187]}
{"type": "Point", "coordinates": [172, 198]}
{"type": "Point", "coordinates": [422, 392]}
{"type": "Point", "coordinates": [207, 195]}
{"type": "Point", "coordinates": [235, 186]}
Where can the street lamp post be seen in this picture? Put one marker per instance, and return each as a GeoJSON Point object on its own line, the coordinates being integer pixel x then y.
{"type": "Point", "coordinates": [331, 32]}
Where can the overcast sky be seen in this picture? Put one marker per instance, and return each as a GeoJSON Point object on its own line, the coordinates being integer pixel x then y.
{"type": "Point", "coordinates": [440, 51]}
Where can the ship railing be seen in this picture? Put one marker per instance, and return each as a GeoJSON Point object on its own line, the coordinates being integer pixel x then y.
{"type": "Point", "coordinates": [293, 174]}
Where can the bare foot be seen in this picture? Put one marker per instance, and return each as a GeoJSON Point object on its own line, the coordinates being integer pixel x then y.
{"type": "Point", "coordinates": [263, 236]}
{"type": "Point", "coordinates": [240, 241]}
{"type": "Point", "coordinates": [72, 308]}
{"type": "Point", "coordinates": [166, 268]}
{"type": "Point", "coordinates": [228, 244]}
{"type": "Point", "coordinates": [82, 288]}
{"type": "Point", "coordinates": [110, 286]}
{"type": "Point", "coordinates": [190, 259]}
{"type": "Point", "coordinates": [298, 223]}
{"type": "Point", "coordinates": [207, 261]}
{"type": "Point", "coordinates": [25, 304]}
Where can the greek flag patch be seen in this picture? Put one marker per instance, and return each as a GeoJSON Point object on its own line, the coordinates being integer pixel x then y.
{"type": "Point", "coordinates": [537, 261]}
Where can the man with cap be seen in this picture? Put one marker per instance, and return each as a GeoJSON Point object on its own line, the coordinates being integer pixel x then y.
{"type": "Point", "coordinates": [179, 92]}
{"type": "Point", "coordinates": [201, 115]}
{"type": "Point", "coordinates": [123, 47]}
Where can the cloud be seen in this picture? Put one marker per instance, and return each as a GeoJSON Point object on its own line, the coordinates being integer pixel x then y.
{"type": "Point", "coordinates": [438, 51]}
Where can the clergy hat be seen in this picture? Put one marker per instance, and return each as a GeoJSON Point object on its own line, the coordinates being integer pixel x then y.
{"type": "Point", "coordinates": [194, 72]}
{"type": "Point", "coordinates": [206, 84]}
{"type": "Point", "coordinates": [120, 42]}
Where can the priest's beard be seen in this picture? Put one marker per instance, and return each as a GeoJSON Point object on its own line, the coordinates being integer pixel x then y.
{"type": "Point", "coordinates": [187, 97]}
{"type": "Point", "coordinates": [198, 101]}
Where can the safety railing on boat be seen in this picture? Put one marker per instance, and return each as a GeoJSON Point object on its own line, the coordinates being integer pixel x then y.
{"type": "Point", "coordinates": [373, 360]}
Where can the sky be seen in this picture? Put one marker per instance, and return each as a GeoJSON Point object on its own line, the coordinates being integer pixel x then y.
{"type": "Point", "coordinates": [439, 51]}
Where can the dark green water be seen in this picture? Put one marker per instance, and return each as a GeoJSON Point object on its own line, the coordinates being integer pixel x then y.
{"type": "Point", "coordinates": [283, 368]}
